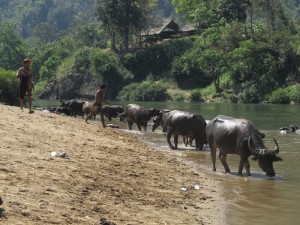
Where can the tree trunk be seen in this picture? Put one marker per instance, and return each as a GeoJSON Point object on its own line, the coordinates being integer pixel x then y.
{"type": "Point", "coordinates": [113, 41]}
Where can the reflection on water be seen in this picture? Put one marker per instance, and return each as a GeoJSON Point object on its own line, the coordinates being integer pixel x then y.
{"type": "Point", "coordinates": [250, 200]}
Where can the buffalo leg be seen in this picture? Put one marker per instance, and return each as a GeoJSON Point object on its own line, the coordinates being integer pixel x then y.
{"type": "Point", "coordinates": [176, 140]}
{"type": "Point", "coordinates": [139, 127]}
{"type": "Point", "coordinates": [145, 128]}
{"type": "Point", "coordinates": [244, 163]}
{"type": "Point", "coordinates": [169, 134]}
{"type": "Point", "coordinates": [213, 150]}
{"type": "Point", "coordinates": [185, 140]}
{"type": "Point", "coordinates": [130, 125]}
{"type": "Point", "coordinates": [199, 143]}
{"type": "Point", "coordinates": [223, 157]}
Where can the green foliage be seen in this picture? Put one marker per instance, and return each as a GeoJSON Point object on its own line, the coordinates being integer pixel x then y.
{"type": "Point", "coordinates": [103, 62]}
{"type": "Point", "coordinates": [178, 97]}
{"type": "Point", "coordinates": [39, 87]}
{"type": "Point", "coordinates": [240, 50]}
{"type": "Point", "coordinates": [208, 92]}
{"type": "Point", "coordinates": [197, 11]}
{"type": "Point", "coordinates": [156, 60]}
{"type": "Point", "coordinates": [280, 96]}
{"type": "Point", "coordinates": [249, 95]}
{"type": "Point", "coordinates": [48, 69]}
{"type": "Point", "coordinates": [144, 91]}
{"type": "Point", "coordinates": [65, 68]}
{"type": "Point", "coordinates": [285, 95]}
{"type": "Point", "coordinates": [195, 95]}
{"type": "Point", "coordinates": [294, 93]}
{"type": "Point", "coordinates": [123, 17]}
{"type": "Point", "coordinates": [11, 48]}
{"type": "Point", "coordinates": [9, 87]}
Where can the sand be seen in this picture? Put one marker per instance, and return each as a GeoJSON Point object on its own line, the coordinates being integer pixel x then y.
{"type": "Point", "coordinates": [109, 177]}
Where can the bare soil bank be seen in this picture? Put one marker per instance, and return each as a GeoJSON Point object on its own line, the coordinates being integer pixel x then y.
{"type": "Point", "coordinates": [109, 174]}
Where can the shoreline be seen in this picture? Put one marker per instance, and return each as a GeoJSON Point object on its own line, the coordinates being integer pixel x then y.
{"type": "Point", "coordinates": [110, 174]}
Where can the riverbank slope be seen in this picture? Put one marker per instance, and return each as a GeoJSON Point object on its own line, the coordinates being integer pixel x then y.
{"type": "Point", "coordinates": [109, 175]}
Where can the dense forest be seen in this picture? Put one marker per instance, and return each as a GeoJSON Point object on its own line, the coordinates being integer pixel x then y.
{"type": "Point", "coordinates": [245, 51]}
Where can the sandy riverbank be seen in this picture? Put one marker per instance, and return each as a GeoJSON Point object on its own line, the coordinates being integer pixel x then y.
{"type": "Point", "coordinates": [109, 174]}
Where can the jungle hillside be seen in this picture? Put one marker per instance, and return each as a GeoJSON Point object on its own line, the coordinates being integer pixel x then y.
{"type": "Point", "coordinates": [241, 51]}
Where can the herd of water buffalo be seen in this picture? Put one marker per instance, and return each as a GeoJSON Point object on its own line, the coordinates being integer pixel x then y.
{"type": "Point", "coordinates": [229, 135]}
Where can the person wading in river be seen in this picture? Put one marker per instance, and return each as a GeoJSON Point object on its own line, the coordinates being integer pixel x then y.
{"type": "Point", "coordinates": [97, 105]}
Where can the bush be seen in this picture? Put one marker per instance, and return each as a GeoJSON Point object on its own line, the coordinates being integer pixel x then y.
{"type": "Point", "coordinates": [195, 95]}
{"type": "Point", "coordinates": [9, 87]}
{"type": "Point", "coordinates": [39, 88]}
{"type": "Point", "coordinates": [280, 96]}
{"type": "Point", "coordinates": [249, 95]}
{"type": "Point", "coordinates": [294, 93]}
{"type": "Point", "coordinates": [178, 97]}
{"type": "Point", "coordinates": [145, 91]}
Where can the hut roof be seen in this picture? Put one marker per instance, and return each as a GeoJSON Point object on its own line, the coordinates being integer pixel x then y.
{"type": "Point", "coordinates": [167, 25]}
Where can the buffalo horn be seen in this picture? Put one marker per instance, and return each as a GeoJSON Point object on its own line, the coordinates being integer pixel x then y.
{"type": "Point", "coordinates": [253, 149]}
{"type": "Point", "coordinates": [276, 150]}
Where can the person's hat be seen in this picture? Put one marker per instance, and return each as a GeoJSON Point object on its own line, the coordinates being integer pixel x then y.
{"type": "Point", "coordinates": [27, 60]}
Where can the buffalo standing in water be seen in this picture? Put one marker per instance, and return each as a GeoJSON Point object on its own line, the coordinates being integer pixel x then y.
{"type": "Point", "coordinates": [239, 136]}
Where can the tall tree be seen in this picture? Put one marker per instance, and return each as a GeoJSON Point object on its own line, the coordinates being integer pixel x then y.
{"type": "Point", "coordinates": [11, 48]}
{"type": "Point", "coordinates": [234, 10]}
{"type": "Point", "coordinates": [199, 12]}
{"type": "Point", "coordinates": [123, 17]}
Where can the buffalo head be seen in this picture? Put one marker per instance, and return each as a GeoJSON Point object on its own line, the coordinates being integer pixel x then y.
{"type": "Point", "coordinates": [122, 116]}
{"type": "Point", "coordinates": [265, 157]}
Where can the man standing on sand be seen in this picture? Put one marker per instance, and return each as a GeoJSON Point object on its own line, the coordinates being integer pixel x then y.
{"type": "Point", "coordinates": [26, 86]}
{"type": "Point", "coordinates": [97, 105]}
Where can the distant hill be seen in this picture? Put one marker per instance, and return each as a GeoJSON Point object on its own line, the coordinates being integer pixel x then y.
{"type": "Point", "coordinates": [28, 15]}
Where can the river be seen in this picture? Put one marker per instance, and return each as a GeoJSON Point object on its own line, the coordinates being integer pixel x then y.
{"type": "Point", "coordinates": [250, 200]}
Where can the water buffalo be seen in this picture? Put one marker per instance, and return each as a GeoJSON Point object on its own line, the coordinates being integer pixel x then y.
{"type": "Point", "coordinates": [239, 136]}
{"type": "Point", "coordinates": [63, 110]}
{"type": "Point", "coordinates": [74, 105]}
{"type": "Point", "coordinates": [137, 114]}
{"type": "Point", "coordinates": [160, 118]}
{"type": "Point", "coordinates": [186, 124]}
{"type": "Point", "coordinates": [292, 129]}
{"type": "Point", "coordinates": [112, 111]}
{"type": "Point", "coordinates": [87, 108]}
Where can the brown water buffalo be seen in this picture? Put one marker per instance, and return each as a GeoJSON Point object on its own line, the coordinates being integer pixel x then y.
{"type": "Point", "coordinates": [186, 124]}
{"type": "Point", "coordinates": [112, 111]}
{"type": "Point", "coordinates": [239, 136]}
{"type": "Point", "coordinates": [87, 108]}
{"type": "Point", "coordinates": [137, 114]}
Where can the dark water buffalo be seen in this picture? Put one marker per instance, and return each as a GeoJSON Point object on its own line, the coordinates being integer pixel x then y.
{"type": "Point", "coordinates": [112, 111]}
{"type": "Point", "coordinates": [239, 136]}
{"type": "Point", "coordinates": [291, 129]}
{"type": "Point", "coordinates": [74, 105]}
{"type": "Point", "coordinates": [159, 121]}
{"type": "Point", "coordinates": [186, 124]}
{"type": "Point", "coordinates": [160, 118]}
{"type": "Point", "coordinates": [137, 114]}
{"type": "Point", "coordinates": [63, 110]}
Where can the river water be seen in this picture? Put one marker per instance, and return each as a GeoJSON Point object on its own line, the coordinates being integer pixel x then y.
{"type": "Point", "coordinates": [250, 200]}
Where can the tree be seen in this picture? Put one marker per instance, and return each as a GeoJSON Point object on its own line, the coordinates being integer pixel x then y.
{"type": "Point", "coordinates": [213, 62]}
{"type": "Point", "coordinates": [11, 48]}
{"type": "Point", "coordinates": [199, 12]}
{"type": "Point", "coordinates": [234, 10]}
{"type": "Point", "coordinates": [123, 17]}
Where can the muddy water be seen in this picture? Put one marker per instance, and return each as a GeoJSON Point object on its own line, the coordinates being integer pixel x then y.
{"type": "Point", "coordinates": [250, 200]}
